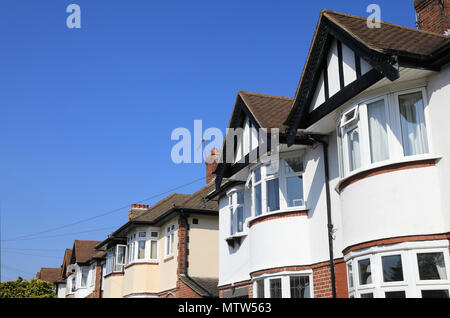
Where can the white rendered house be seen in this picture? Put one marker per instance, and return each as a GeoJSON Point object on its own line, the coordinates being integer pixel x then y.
{"type": "Point", "coordinates": [357, 204]}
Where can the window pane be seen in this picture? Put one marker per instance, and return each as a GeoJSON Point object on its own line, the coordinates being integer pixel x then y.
{"type": "Point", "coordinates": [171, 243]}
{"type": "Point", "coordinates": [293, 165]}
{"type": "Point", "coordinates": [154, 250]}
{"type": "Point", "coordinates": [396, 294]}
{"type": "Point", "coordinates": [240, 219]}
{"type": "Point", "coordinates": [142, 234]}
{"type": "Point", "coordinates": [258, 200]}
{"type": "Point", "coordinates": [353, 149]}
{"type": "Point", "coordinates": [412, 119]}
{"type": "Point", "coordinates": [369, 295]}
{"type": "Point", "coordinates": [431, 266]}
{"type": "Point", "coordinates": [435, 293]}
{"type": "Point", "coordinates": [275, 288]}
{"type": "Point", "coordinates": [392, 268]}
{"type": "Point", "coordinates": [141, 250]}
{"type": "Point", "coordinates": [260, 289]}
{"type": "Point", "coordinates": [365, 273]}
{"type": "Point", "coordinates": [273, 195]}
{"type": "Point", "coordinates": [350, 275]}
{"type": "Point", "coordinates": [231, 222]}
{"type": "Point", "coordinates": [299, 287]}
{"type": "Point", "coordinates": [379, 149]}
{"type": "Point", "coordinates": [84, 276]}
{"type": "Point", "coordinates": [240, 198]}
{"type": "Point", "coordinates": [257, 173]}
{"type": "Point", "coordinates": [295, 191]}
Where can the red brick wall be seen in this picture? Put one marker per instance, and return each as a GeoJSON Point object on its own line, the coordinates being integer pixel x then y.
{"type": "Point", "coordinates": [228, 288]}
{"type": "Point", "coordinates": [432, 17]}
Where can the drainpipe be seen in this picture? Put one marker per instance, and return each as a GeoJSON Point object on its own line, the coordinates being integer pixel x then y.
{"type": "Point", "coordinates": [330, 227]}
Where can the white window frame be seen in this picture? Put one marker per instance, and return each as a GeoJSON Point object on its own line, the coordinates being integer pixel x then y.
{"type": "Point", "coordinates": [92, 275]}
{"type": "Point", "coordinates": [282, 185]}
{"type": "Point", "coordinates": [393, 130]}
{"type": "Point", "coordinates": [285, 282]}
{"type": "Point", "coordinates": [169, 241]}
{"type": "Point", "coordinates": [411, 283]}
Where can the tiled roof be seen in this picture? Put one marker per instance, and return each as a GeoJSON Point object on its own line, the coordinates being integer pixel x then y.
{"type": "Point", "coordinates": [161, 207]}
{"type": "Point", "coordinates": [49, 274]}
{"type": "Point", "coordinates": [269, 111]}
{"type": "Point", "coordinates": [389, 37]}
{"type": "Point", "coordinates": [84, 250]}
{"type": "Point", "coordinates": [204, 287]}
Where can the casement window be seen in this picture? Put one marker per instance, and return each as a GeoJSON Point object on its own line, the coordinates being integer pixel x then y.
{"type": "Point", "coordinates": [115, 259]}
{"type": "Point", "coordinates": [92, 276]}
{"type": "Point", "coordinates": [380, 130]}
{"type": "Point", "coordinates": [119, 261]}
{"type": "Point", "coordinates": [278, 186]}
{"type": "Point", "coordinates": [170, 234]}
{"type": "Point", "coordinates": [84, 277]}
{"type": "Point", "coordinates": [400, 273]}
{"type": "Point", "coordinates": [236, 201]}
{"type": "Point", "coordinates": [142, 247]}
{"type": "Point", "coordinates": [289, 285]}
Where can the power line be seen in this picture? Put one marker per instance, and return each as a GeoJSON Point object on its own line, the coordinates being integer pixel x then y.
{"type": "Point", "coordinates": [60, 235]}
{"type": "Point", "coordinates": [32, 249]}
{"type": "Point", "coordinates": [35, 255]}
{"type": "Point", "coordinates": [102, 214]}
{"type": "Point", "coordinates": [11, 268]}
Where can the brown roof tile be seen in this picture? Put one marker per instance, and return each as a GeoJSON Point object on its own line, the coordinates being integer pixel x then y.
{"type": "Point", "coordinates": [204, 287]}
{"type": "Point", "coordinates": [270, 111]}
{"type": "Point", "coordinates": [83, 251]}
{"type": "Point", "coordinates": [161, 207]}
{"type": "Point", "coordinates": [49, 274]}
{"type": "Point", "coordinates": [390, 37]}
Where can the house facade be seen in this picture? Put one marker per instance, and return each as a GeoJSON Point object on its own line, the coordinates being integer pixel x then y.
{"type": "Point", "coordinates": [354, 202]}
{"type": "Point", "coordinates": [166, 250]}
{"type": "Point", "coordinates": [84, 271]}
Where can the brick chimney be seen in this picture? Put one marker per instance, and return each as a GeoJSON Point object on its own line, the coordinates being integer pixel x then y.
{"type": "Point", "coordinates": [136, 210]}
{"type": "Point", "coordinates": [433, 15]}
{"type": "Point", "coordinates": [211, 165]}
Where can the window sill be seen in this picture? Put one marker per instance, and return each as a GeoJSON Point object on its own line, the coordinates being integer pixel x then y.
{"type": "Point", "coordinates": [386, 167]}
{"type": "Point", "coordinates": [168, 258]}
{"type": "Point", "coordinates": [298, 211]}
{"type": "Point", "coordinates": [143, 262]}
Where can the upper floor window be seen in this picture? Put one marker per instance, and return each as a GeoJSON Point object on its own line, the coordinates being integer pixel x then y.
{"type": "Point", "coordinates": [386, 128]}
{"type": "Point", "coordinates": [236, 206]}
{"type": "Point", "coordinates": [115, 259]}
{"type": "Point", "coordinates": [278, 186]}
{"type": "Point", "coordinates": [92, 276]}
{"type": "Point", "coordinates": [170, 234]}
{"type": "Point", "coordinates": [142, 246]}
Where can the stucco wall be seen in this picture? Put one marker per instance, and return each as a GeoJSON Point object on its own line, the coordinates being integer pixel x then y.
{"type": "Point", "coordinates": [113, 286]}
{"type": "Point", "coordinates": [204, 246]}
{"type": "Point", "coordinates": [141, 278]}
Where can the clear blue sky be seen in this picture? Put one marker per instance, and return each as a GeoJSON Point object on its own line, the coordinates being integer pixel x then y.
{"type": "Point", "coordinates": [86, 115]}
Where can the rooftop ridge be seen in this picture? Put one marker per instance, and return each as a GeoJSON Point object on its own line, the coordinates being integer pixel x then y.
{"type": "Point", "coordinates": [327, 11]}
{"type": "Point", "coordinates": [266, 95]}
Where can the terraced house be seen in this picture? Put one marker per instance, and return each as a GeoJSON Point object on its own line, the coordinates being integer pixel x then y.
{"type": "Point", "coordinates": [356, 204]}
{"type": "Point", "coordinates": [166, 250]}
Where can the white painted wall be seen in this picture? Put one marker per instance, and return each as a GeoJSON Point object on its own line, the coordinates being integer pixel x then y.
{"type": "Point", "coordinates": [61, 290]}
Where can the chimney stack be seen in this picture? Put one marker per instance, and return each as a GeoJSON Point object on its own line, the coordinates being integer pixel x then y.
{"type": "Point", "coordinates": [136, 210]}
{"type": "Point", "coordinates": [211, 165]}
{"type": "Point", "coordinates": [433, 15]}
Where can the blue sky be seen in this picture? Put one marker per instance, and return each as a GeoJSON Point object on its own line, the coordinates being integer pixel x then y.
{"type": "Point", "coordinates": [86, 115]}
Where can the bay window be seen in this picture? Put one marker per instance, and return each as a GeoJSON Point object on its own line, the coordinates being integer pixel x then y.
{"type": "Point", "coordinates": [381, 130]}
{"type": "Point", "coordinates": [143, 247]}
{"type": "Point", "coordinates": [278, 186]}
{"type": "Point", "coordinates": [285, 285]}
{"type": "Point", "coordinates": [391, 272]}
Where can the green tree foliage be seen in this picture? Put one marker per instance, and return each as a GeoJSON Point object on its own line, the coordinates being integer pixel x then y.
{"type": "Point", "coordinates": [21, 288]}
